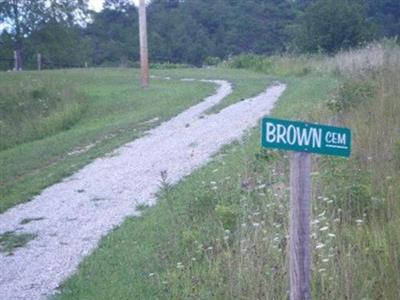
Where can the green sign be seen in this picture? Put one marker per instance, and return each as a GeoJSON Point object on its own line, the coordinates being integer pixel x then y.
{"type": "Point", "coordinates": [305, 137]}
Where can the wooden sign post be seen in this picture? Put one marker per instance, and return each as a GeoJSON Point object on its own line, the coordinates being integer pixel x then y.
{"type": "Point", "coordinates": [303, 138]}
{"type": "Point", "coordinates": [299, 232]}
{"type": "Point", "coordinates": [144, 52]}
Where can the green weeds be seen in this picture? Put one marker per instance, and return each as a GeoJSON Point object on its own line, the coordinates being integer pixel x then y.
{"type": "Point", "coordinates": [9, 241]}
{"type": "Point", "coordinates": [32, 109]}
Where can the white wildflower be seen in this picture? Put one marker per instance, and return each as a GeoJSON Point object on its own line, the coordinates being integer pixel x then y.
{"type": "Point", "coordinates": [359, 221]}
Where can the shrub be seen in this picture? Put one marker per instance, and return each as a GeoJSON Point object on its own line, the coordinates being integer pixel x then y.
{"type": "Point", "coordinates": [227, 215]}
{"type": "Point", "coordinates": [212, 61]}
{"type": "Point", "coordinates": [351, 94]}
{"type": "Point", "coordinates": [285, 65]}
{"type": "Point", "coordinates": [332, 25]}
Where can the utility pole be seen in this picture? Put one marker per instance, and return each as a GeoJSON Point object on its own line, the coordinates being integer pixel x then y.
{"type": "Point", "coordinates": [144, 52]}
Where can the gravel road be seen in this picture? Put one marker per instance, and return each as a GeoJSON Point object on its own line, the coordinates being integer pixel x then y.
{"type": "Point", "coordinates": [74, 214]}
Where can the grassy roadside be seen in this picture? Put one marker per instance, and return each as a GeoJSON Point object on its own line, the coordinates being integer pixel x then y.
{"type": "Point", "coordinates": [221, 233]}
{"type": "Point", "coordinates": [51, 140]}
{"type": "Point", "coordinates": [185, 247]}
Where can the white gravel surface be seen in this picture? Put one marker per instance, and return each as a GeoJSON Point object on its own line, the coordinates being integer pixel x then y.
{"type": "Point", "coordinates": [78, 211]}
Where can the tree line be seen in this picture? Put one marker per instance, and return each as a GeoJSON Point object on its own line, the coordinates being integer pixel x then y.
{"type": "Point", "coordinates": [196, 32]}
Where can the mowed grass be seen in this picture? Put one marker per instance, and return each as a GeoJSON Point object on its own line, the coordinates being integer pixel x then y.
{"type": "Point", "coordinates": [55, 122]}
{"type": "Point", "coordinates": [245, 83]}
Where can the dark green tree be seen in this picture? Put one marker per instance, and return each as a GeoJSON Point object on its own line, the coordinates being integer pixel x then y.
{"type": "Point", "coordinates": [61, 46]}
{"type": "Point", "coordinates": [331, 25]}
{"type": "Point", "coordinates": [386, 15]}
{"type": "Point", "coordinates": [114, 34]}
{"type": "Point", "coordinates": [6, 51]}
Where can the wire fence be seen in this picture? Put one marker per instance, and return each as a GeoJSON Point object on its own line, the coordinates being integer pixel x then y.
{"type": "Point", "coordinates": [42, 63]}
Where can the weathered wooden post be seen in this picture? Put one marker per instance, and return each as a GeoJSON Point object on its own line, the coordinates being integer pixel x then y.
{"type": "Point", "coordinates": [303, 138]}
{"type": "Point", "coordinates": [39, 61]}
{"type": "Point", "coordinates": [144, 56]}
{"type": "Point", "coordinates": [17, 60]}
{"type": "Point", "coordinates": [299, 232]}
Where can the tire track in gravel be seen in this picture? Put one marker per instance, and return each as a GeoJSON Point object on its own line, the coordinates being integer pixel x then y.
{"type": "Point", "coordinates": [70, 218]}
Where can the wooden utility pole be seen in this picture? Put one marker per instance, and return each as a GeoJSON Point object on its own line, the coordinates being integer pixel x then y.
{"type": "Point", "coordinates": [300, 214]}
{"type": "Point", "coordinates": [39, 61]}
{"type": "Point", "coordinates": [144, 53]}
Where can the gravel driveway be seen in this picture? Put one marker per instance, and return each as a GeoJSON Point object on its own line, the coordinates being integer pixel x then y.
{"type": "Point", "coordinates": [74, 214]}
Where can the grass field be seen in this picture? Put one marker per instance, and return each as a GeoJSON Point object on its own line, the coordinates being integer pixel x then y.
{"type": "Point", "coordinates": [54, 122]}
{"type": "Point", "coordinates": [221, 233]}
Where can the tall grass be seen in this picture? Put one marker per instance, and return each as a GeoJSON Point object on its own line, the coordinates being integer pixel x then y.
{"type": "Point", "coordinates": [32, 108]}
{"type": "Point", "coordinates": [280, 65]}
{"type": "Point", "coordinates": [356, 207]}
{"type": "Point", "coordinates": [366, 188]}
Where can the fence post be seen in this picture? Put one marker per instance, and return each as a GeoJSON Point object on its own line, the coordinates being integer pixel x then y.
{"type": "Point", "coordinates": [39, 61]}
{"type": "Point", "coordinates": [15, 61]}
{"type": "Point", "coordinates": [18, 60]}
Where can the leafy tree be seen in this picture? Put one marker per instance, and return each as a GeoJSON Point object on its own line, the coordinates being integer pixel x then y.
{"type": "Point", "coordinates": [193, 30]}
{"type": "Point", "coordinates": [117, 5]}
{"type": "Point", "coordinates": [71, 50]}
{"type": "Point", "coordinates": [26, 16]}
{"type": "Point", "coordinates": [6, 51]}
{"type": "Point", "coordinates": [114, 34]}
{"type": "Point", "coordinates": [331, 25]}
{"type": "Point", "coordinates": [188, 31]}
{"type": "Point", "coordinates": [386, 15]}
